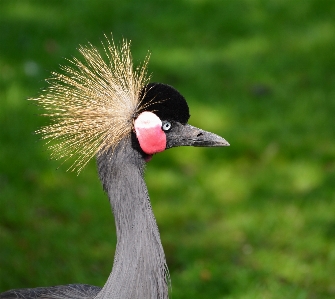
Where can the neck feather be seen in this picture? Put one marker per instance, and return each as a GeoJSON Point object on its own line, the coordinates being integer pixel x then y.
{"type": "Point", "coordinates": [139, 269]}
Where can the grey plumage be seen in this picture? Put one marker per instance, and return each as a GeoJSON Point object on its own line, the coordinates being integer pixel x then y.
{"type": "Point", "coordinates": [139, 269]}
{"type": "Point", "coordinates": [70, 291]}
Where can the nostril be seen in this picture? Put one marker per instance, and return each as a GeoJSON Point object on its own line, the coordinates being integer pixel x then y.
{"type": "Point", "coordinates": [200, 134]}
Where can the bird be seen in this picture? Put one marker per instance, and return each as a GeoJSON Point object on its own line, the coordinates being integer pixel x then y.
{"type": "Point", "coordinates": [100, 105]}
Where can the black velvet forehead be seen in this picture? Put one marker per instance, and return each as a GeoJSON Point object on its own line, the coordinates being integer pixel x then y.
{"type": "Point", "coordinates": [165, 101]}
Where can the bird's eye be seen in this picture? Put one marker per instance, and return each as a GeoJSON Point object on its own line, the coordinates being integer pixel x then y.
{"type": "Point", "coordinates": [166, 126]}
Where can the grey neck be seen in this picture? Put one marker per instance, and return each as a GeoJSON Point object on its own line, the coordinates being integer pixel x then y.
{"type": "Point", "coordinates": [139, 269]}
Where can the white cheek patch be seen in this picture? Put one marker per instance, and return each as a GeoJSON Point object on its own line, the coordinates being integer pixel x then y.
{"type": "Point", "coordinates": [147, 120]}
{"type": "Point", "coordinates": [149, 133]}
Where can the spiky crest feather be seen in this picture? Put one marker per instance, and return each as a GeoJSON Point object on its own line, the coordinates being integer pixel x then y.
{"type": "Point", "coordinates": [93, 103]}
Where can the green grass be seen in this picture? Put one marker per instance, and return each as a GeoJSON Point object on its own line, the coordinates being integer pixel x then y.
{"type": "Point", "coordinates": [255, 220]}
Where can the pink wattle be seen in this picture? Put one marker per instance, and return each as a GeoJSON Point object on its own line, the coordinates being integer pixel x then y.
{"type": "Point", "coordinates": [150, 135]}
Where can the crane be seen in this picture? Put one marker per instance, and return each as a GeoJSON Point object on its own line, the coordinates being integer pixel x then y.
{"type": "Point", "coordinates": [102, 107]}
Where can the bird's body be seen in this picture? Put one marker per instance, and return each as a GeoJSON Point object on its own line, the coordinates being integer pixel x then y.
{"type": "Point", "coordinates": [157, 122]}
{"type": "Point", "coordinates": [70, 291]}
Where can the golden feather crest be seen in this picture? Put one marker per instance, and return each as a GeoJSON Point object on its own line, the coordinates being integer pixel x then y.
{"type": "Point", "coordinates": [92, 103]}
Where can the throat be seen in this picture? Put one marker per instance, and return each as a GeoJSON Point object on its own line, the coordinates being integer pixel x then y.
{"type": "Point", "coordinates": [139, 269]}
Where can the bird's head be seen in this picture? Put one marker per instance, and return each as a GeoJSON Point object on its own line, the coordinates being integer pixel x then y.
{"type": "Point", "coordinates": [97, 102]}
{"type": "Point", "coordinates": [163, 122]}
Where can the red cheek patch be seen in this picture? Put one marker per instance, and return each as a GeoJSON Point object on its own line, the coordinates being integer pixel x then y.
{"type": "Point", "coordinates": [149, 133]}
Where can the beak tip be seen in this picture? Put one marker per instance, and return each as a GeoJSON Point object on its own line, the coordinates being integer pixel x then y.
{"type": "Point", "coordinates": [225, 143]}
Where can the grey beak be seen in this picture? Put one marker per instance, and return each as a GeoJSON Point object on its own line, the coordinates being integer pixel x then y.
{"type": "Point", "coordinates": [187, 135]}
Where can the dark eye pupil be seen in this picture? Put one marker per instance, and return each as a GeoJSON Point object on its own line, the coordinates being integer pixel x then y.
{"type": "Point", "coordinates": [166, 126]}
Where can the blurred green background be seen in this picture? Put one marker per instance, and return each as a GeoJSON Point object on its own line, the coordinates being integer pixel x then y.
{"type": "Point", "coordinates": [255, 220]}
